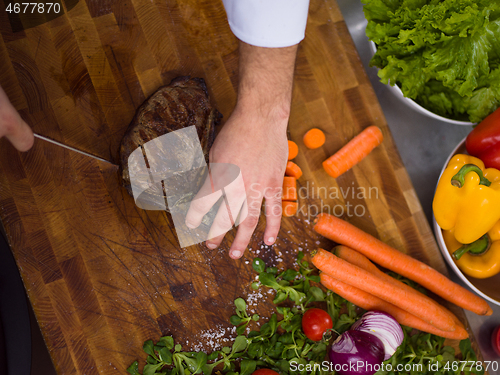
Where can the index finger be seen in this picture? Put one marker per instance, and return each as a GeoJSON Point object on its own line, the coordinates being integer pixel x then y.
{"type": "Point", "coordinates": [13, 127]}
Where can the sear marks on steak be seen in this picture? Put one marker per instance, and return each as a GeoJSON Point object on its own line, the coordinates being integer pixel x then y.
{"type": "Point", "coordinates": [183, 102]}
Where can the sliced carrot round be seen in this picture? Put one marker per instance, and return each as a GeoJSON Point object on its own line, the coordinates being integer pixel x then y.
{"type": "Point", "coordinates": [314, 138]}
{"type": "Point", "coordinates": [293, 170]}
{"type": "Point", "coordinates": [289, 208]}
{"type": "Point", "coordinates": [289, 188]}
{"type": "Point", "coordinates": [293, 150]}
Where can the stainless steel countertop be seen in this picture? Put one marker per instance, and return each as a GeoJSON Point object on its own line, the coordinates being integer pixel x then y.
{"type": "Point", "coordinates": [424, 145]}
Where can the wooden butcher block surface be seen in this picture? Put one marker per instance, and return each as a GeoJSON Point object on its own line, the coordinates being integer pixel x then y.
{"type": "Point", "coordinates": [103, 275]}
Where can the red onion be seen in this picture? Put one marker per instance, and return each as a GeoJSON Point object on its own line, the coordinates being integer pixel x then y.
{"type": "Point", "coordinates": [385, 327]}
{"type": "Point", "coordinates": [357, 353]}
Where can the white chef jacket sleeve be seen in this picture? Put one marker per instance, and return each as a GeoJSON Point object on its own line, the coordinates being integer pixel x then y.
{"type": "Point", "coordinates": [268, 23]}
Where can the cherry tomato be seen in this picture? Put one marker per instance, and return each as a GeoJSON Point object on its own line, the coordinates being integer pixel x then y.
{"type": "Point", "coordinates": [495, 340]}
{"type": "Point", "coordinates": [264, 371]}
{"type": "Point", "coordinates": [315, 322]}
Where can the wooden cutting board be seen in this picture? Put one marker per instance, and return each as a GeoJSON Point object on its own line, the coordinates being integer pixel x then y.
{"type": "Point", "coordinates": [102, 275]}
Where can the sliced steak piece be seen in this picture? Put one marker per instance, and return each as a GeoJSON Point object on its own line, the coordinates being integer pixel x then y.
{"type": "Point", "coordinates": [182, 103]}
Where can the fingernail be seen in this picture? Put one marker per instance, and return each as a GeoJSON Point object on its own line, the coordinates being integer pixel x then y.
{"type": "Point", "coordinates": [236, 254]}
{"type": "Point", "coordinates": [190, 225]}
{"type": "Point", "coordinates": [271, 240]}
{"type": "Point", "coordinates": [211, 245]}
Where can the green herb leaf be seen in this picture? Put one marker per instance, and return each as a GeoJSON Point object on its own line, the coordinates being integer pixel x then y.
{"type": "Point", "coordinates": [286, 338]}
{"type": "Point", "coordinates": [284, 283]}
{"type": "Point", "coordinates": [213, 356]}
{"type": "Point", "coordinates": [167, 341]}
{"type": "Point", "coordinates": [317, 293]}
{"type": "Point", "coordinates": [258, 265]}
{"type": "Point", "coordinates": [191, 363]}
{"type": "Point", "coordinates": [240, 330]}
{"type": "Point", "coordinates": [201, 360]}
{"type": "Point", "coordinates": [255, 350]}
{"type": "Point", "coordinates": [315, 278]}
{"type": "Point", "coordinates": [152, 360]}
{"type": "Point", "coordinates": [247, 366]}
{"type": "Point", "coordinates": [165, 355]}
{"type": "Point", "coordinates": [272, 270]}
{"type": "Point", "coordinates": [240, 344]}
{"type": "Point", "coordinates": [273, 323]}
{"type": "Point", "coordinates": [465, 347]}
{"type": "Point", "coordinates": [240, 304]}
{"type": "Point", "coordinates": [148, 347]}
{"type": "Point", "coordinates": [236, 320]}
{"type": "Point", "coordinates": [290, 274]}
{"type": "Point", "coordinates": [133, 369]}
{"type": "Point", "coordinates": [297, 297]}
{"type": "Point", "coordinates": [275, 350]}
{"type": "Point", "coordinates": [280, 297]}
{"type": "Point", "coordinates": [295, 323]}
{"type": "Point", "coordinates": [268, 280]}
{"type": "Point", "coordinates": [150, 369]}
{"type": "Point", "coordinates": [283, 310]}
{"type": "Point", "coordinates": [266, 330]}
{"type": "Point", "coordinates": [208, 368]}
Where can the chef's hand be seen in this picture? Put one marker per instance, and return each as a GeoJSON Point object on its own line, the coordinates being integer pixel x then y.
{"type": "Point", "coordinates": [254, 138]}
{"type": "Point", "coordinates": [12, 125]}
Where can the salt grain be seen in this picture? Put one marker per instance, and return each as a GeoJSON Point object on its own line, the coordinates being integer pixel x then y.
{"type": "Point", "coordinates": [209, 339]}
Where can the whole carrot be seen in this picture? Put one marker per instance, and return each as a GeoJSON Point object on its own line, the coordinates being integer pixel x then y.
{"type": "Point", "coordinates": [354, 151]}
{"type": "Point", "coordinates": [369, 302]}
{"type": "Point", "coordinates": [344, 233]}
{"type": "Point", "coordinates": [364, 280]}
{"type": "Point", "coordinates": [359, 260]}
{"type": "Point", "coordinates": [356, 258]}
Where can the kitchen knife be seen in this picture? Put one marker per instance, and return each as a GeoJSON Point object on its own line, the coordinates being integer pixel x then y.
{"type": "Point", "coordinates": [71, 148]}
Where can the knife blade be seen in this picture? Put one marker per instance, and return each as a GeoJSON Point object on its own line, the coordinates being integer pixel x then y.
{"type": "Point", "coordinates": [71, 148]}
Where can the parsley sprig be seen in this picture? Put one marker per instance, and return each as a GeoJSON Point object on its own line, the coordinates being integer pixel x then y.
{"type": "Point", "coordinates": [165, 358]}
{"type": "Point", "coordinates": [241, 319]}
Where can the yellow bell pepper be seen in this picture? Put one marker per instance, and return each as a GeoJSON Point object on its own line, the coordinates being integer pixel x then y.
{"type": "Point", "coordinates": [480, 259]}
{"type": "Point", "coordinates": [467, 198]}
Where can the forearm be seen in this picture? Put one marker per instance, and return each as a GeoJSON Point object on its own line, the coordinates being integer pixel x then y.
{"type": "Point", "coordinates": [254, 139]}
{"type": "Point", "coordinates": [266, 81]}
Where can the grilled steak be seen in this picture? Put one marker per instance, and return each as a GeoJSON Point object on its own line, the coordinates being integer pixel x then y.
{"type": "Point", "coordinates": [182, 103]}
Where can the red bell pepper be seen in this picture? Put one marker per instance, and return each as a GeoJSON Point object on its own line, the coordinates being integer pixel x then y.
{"type": "Point", "coordinates": [483, 141]}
